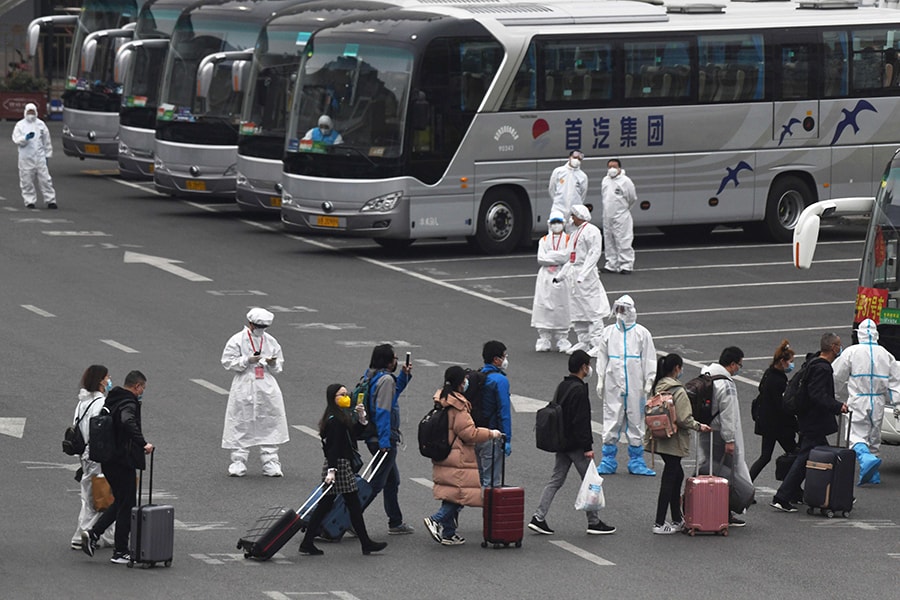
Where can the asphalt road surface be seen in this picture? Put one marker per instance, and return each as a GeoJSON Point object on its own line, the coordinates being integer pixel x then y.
{"type": "Point", "coordinates": [127, 278]}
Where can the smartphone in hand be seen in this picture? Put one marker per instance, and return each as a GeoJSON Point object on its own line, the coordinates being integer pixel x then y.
{"type": "Point", "coordinates": [408, 357]}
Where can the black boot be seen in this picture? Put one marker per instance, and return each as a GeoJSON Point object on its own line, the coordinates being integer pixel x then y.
{"type": "Point", "coordinates": [370, 546]}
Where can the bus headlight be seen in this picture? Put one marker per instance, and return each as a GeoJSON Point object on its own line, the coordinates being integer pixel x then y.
{"type": "Point", "coordinates": [158, 165]}
{"type": "Point", "coordinates": [123, 148]}
{"type": "Point", "coordinates": [241, 180]}
{"type": "Point", "coordinates": [66, 131]}
{"type": "Point", "coordinates": [382, 203]}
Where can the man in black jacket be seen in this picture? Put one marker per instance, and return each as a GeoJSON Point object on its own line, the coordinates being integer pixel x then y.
{"type": "Point", "coordinates": [124, 404]}
{"type": "Point", "coordinates": [816, 418]}
{"type": "Point", "coordinates": [572, 395]}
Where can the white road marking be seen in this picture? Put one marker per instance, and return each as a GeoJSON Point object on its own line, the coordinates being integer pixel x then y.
{"type": "Point", "coordinates": [765, 491]}
{"type": "Point", "coordinates": [343, 595]}
{"type": "Point", "coordinates": [745, 308]}
{"type": "Point", "coordinates": [203, 526]}
{"type": "Point", "coordinates": [36, 464]}
{"type": "Point", "coordinates": [748, 332]}
{"type": "Point", "coordinates": [12, 426]}
{"type": "Point", "coordinates": [220, 558]}
{"type": "Point", "coordinates": [307, 430]}
{"type": "Point", "coordinates": [166, 264]}
{"type": "Point", "coordinates": [423, 482]}
{"type": "Point", "coordinates": [38, 311]}
{"type": "Point", "coordinates": [589, 556]}
{"type": "Point", "coordinates": [138, 186]}
{"type": "Point", "coordinates": [865, 524]}
{"type": "Point", "coordinates": [236, 293]}
{"type": "Point", "coordinates": [121, 347]}
{"type": "Point", "coordinates": [76, 233]}
{"type": "Point", "coordinates": [210, 386]}
{"type": "Point", "coordinates": [39, 220]}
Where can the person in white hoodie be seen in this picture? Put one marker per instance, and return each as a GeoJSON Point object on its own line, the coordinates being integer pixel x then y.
{"type": "Point", "coordinates": [95, 384]}
{"type": "Point", "coordinates": [35, 149]}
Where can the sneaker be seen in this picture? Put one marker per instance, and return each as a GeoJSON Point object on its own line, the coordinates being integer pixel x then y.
{"type": "Point", "coordinates": [52, 206]}
{"type": "Point", "coordinates": [539, 526]}
{"type": "Point", "coordinates": [400, 529]}
{"type": "Point", "coordinates": [237, 469]}
{"type": "Point", "coordinates": [453, 541]}
{"type": "Point", "coordinates": [350, 533]}
{"type": "Point", "coordinates": [733, 521]}
{"type": "Point", "coordinates": [600, 528]}
{"type": "Point", "coordinates": [120, 558]}
{"type": "Point", "coordinates": [664, 529]}
{"type": "Point", "coordinates": [88, 542]}
{"type": "Point", "coordinates": [783, 506]}
{"type": "Point", "coordinates": [434, 528]}
{"type": "Point", "coordinates": [677, 527]}
{"type": "Point", "coordinates": [76, 544]}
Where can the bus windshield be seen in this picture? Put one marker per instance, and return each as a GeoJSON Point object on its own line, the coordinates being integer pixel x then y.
{"type": "Point", "coordinates": [881, 260]}
{"type": "Point", "coordinates": [195, 38]}
{"type": "Point", "coordinates": [274, 73]}
{"type": "Point", "coordinates": [156, 22]}
{"type": "Point", "coordinates": [97, 15]}
{"type": "Point", "coordinates": [364, 90]}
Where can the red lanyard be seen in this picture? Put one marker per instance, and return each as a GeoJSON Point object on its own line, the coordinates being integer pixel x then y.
{"type": "Point", "coordinates": [555, 240]}
{"type": "Point", "coordinates": [575, 242]}
{"type": "Point", "coordinates": [252, 346]}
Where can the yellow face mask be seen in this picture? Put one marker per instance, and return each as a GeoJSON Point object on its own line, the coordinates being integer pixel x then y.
{"type": "Point", "coordinates": [343, 401]}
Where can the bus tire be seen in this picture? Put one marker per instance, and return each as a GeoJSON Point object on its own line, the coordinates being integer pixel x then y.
{"type": "Point", "coordinates": [788, 196]}
{"type": "Point", "coordinates": [500, 222]}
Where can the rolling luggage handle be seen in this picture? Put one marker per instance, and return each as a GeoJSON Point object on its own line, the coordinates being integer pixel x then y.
{"type": "Point", "coordinates": [697, 454]}
{"type": "Point", "coordinates": [372, 468]}
{"type": "Point", "coordinates": [849, 415]}
{"type": "Point", "coordinates": [321, 491]}
{"type": "Point", "coordinates": [502, 440]}
{"type": "Point", "coordinates": [141, 481]}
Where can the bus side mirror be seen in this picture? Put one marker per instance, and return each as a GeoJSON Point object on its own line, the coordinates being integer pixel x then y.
{"type": "Point", "coordinates": [240, 75]}
{"type": "Point", "coordinates": [88, 53]}
{"type": "Point", "coordinates": [204, 77]}
{"type": "Point", "coordinates": [124, 61]}
{"type": "Point", "coordinates": [34, 35]}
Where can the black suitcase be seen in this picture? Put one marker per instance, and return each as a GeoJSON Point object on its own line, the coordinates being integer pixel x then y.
{"type": "Point", "coordinates": [337, 521]}
{"type": "Point", "coordinates": [277, 526]}
{"type": "Point", "coordinates": [830, 472]}
{"type": "Point", "coordinates": [152, 537]}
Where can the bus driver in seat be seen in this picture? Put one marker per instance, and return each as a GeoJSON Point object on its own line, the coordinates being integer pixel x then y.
{"type": "Point", "coordinates": [324, 132]}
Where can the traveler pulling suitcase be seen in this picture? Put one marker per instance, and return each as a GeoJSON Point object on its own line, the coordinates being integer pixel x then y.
{"type": "Point", "coordinates": [152, 528]}
{"type": "Point", "coordinates": [504, 508]}
{"type": "Point", "coordinates": [830, 472]}
{"type": "Point", "coordinates": [337, 521]}
{"type": "Point", "coordinates": [277, 526]}
{"type": "Point", "coordinates": [705, 499]}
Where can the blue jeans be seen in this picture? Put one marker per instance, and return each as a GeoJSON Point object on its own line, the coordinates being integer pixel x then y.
{"type": "Point", "coordinates": [485, 454]}
{"type": "Point", "coordinates": [447, 515]}
{"type": "Point", "coordinates": [388, 479]}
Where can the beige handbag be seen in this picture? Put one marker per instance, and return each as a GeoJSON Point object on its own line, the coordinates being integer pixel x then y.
{"type": "Point", "coordinates": [103, 497]}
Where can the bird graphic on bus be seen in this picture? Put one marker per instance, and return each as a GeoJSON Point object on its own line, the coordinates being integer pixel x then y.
{"type": "Point", "coordinates": [849, 119]}
{"type": "Point", "coordinates": [733, 175]}
{"type": "Point", "coordinates": [786, 129]}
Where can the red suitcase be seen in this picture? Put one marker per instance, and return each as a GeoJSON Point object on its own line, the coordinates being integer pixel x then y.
{"type": "Point", "coordinates": [504, 511]}
{"type": "Point", "coordinates": [706, 500]}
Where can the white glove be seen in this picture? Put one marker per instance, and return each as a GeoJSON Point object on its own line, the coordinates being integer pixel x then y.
{"type": "Point", "coordinates": [329, 477]}
{"type": "Point", "coordinates": [648, 387]}
{"type": "Point", "coordinates": [600, 387]}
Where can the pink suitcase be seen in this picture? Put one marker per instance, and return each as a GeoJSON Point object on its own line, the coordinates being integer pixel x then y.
{"type": "Point", "coordinates": [706, 501]}
{"type": "Point", "coordinates": [504, 510]}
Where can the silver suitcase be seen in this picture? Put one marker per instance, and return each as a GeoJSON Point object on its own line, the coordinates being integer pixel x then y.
{"type": "Point", "coordinates": [152, 529]}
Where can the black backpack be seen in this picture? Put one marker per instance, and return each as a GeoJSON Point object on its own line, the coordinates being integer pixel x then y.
{"type": "Point", "coordinates": [700, 390]}
{"type": "Point", "coordinates": [475, 396]}
{"type": "Point", "coordinates": [793, 402]}
{"type": "Point", "coordinates": [73, 442]}
{"type": "Point", "coordinates": [434, 429]}
{"type": "Point", "coordinates": [103, 436]}
{"type": "Point", "coordinates": [550, 426]}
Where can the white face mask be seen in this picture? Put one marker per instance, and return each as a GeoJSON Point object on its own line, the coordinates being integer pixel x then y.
{"type": "Point", "coordinates": [556, 227]}
{"type": "Point", "coordinates": [574, 163]}
{"type": "Point", "coordinates": [505, 364]}
{"type": "Point", "coordinates": [30, 118]}
{"type": "Point", "coordinates": [590, 372]}
{"type": "Point", "coordinates": [613, 172]}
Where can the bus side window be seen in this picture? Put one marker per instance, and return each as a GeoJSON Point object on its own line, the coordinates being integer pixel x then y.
{"type": "Point", "coordinates": [835, 64]}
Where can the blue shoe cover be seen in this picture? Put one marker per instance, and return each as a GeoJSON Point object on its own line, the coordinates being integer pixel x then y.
{"type": "Point", "coordinates": [636, 464]}
{"type": "Point", "coordinates": [876, 478]}
{"type": "Point", "coordinates": [868, 463]}
{"type": "Point", "coordinates": [608, 465]}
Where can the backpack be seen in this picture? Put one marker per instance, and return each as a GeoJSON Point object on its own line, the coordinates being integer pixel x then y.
{"type": "Point", "coordinates": [433, 432]}
{"type": "Point", "coordinates": [700, 391]}
{"type": "Point", "coordinates": [103, 437]}
{"type": "Point", "coordinates": [793, 401]}
{"type": "Point", "coordinates": [362, 394]}
{"type": "Point", "coordinates": [550, 426]}
{"type": "Point", "coordinates": [475, 396]}
{"type": "Point", "coordinates": [73, 442]}
{"type": "Point", "coordinates": [659, 415]}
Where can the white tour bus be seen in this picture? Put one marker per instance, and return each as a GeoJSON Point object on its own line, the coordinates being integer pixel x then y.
{"type": "Point", "coordinates": [878, 292]}
{"type": "Point", "coordinates": [452, 118]}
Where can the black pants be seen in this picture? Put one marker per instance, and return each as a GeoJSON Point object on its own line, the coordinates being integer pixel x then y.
{"type": "Point", "coordinates": [790, 487]}
{"type": "Point", "coordinates": [787, 442]}
{"type": "Point", "coordinates": [670, 489]}
{"type": "Point", "coordinates": [121, 480]}
{"type": "Point", "coordinates": [351, 499]}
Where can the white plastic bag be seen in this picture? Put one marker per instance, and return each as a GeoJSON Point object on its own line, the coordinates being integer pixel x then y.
{"type": "Point", "coordinates": [590, 495]}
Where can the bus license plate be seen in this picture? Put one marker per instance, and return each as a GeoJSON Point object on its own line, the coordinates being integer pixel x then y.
{"type": "Point", "coordinates": [195, 186]}
{"type": "Point", "coordinates": [152, 167]}
{"type": "Point", "coordinates": [91, 149]}
{"type": "Point", "coordinates": [275, 201]}
{"type": "Point", "coordinates": [328, 221]}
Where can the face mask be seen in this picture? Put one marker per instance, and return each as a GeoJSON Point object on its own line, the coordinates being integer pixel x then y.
{"type": "Point", "coordinates": [109, 385]}
{"type": "Point", "coordinates": [257, 332]}
{"type": "Point", "coordinates": [679, 375]}
{"type": "Point", "coordinates": [505, 364]}
{"type": "Point", "coordinates": [736, 372]}
{"type": "Point", "coordinates": [574, 163]}
{"type": "Point", "coordinates": [343, 401]}
{"type": "Point", "coordinates": [790, 367]}
{"type": "Point", "coordinates": [556, 227]}
{"type": "Point", "coordinates": [840, 350]}
{"type": "Point", "coordinates": [613, 172]}
{"type": "Point", "coordinates": [30, 118]}
{"type": "Point", "coordinates": [465, 386]}
{"type": "Point", "coordinates": [590, 372]}
{"type": "Point", "coordinates": [139, 397]}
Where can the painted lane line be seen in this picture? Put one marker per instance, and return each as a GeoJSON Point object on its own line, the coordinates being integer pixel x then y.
{"type": "Point", "coordinates": [213, 208]}
{"type": "Point", "coordinates": [210, 386]}
{"type": "Point", "coordinates": [732, 285]}
{"type": "Point", "coordinates": [588, 556]}
{"type": "Point", "coordinates": [423, 482]}
{"type": "Point", "coordinates": [742, 308]}
{"type": "Point", "coordinates": [722, 286]}
{"type": "Point", "coordinates": [748, 332]}
{"type": "Point", "coordinates": [13, 427]}
{"type": "Point", "coordinates": [166, 264]}
{"type": "Point", "coordinates": [343, 595]}
{"type": "Point", "coordinates": [121, 347]}
{"type": "Point", "coordinates": [76, 233]}
{"type": "Point", "coordinates": [138, 186]}
{"type": "Point", "coordinates": [38, 311]}
{"type": "Point", "coordinates": [307, 430]}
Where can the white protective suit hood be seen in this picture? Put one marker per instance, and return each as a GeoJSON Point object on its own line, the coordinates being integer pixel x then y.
{"type": "Point", "coordinates": [630, 312]}
{"type": "Point", "coordinates": [581, 211]}
{"type": "Point", "coordinates": [867, 332]}
{"type": "Point", "coordinates": [30, 107]}
{"type": "Point", "coordinates": [260, 316]}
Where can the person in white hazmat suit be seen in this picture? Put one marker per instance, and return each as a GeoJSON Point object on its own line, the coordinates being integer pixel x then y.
{"type": "Point", "coordinates": [255, 413]}
{"type": "Point", "coordinates": [618, 196]}
{"type": "Point", "coordinates": [588, 304]}
{"type": "Point", "coordinates": [550, 310]}
{"type": "Point", "coordinates": [35, 149]}
{"type": "Point", "coordinates": [872, 378]}
{"type": "Point", "coordinates": [626, 368]}
{"type": "Point", "coordinates": [568, 185]}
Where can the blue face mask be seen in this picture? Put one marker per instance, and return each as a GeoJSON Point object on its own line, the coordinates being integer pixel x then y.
{"type": "Point", "coordinates": [790, 367]}
{"type": "Point", "coordinates": [109, 385]}
{"type": "Point", "coordinates": [465, 386]}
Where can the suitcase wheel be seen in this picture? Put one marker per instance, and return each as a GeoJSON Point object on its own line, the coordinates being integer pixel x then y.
{"type": "Point", "coordinates": [246, 555]}
{"type": "Point", "coordinates": [691, 532]}
{"type": "Point", "coordinates": [168, 563]}
{"type": "Point", "coordinates": [828, 513]}
{"type": "Point", "coordinates": [724, 532]}
{"type": "Point", "coordinates": [484, 544]}
{"type": "Point", "coordinates": [130, 564]}
{"type": "Point", "coordinates": [810, 511]}
{"type": "Point", "coordinates": [519, 544]}
{"type": "Point", "coordinates": [846, 514]}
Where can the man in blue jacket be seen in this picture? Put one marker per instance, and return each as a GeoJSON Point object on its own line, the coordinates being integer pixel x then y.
{"type": "Point", "coordinates": [496, 409]}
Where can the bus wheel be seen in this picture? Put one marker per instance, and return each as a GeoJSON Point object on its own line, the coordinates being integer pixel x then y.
{"type": "Point", "coordinates": [500, 222]}
{"type": "Point", "coordinates": [788, 196]}
{"type": "Point", "coordinates": [392, 244]}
